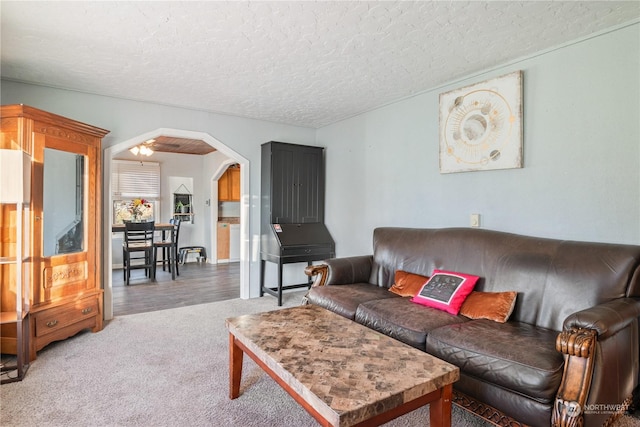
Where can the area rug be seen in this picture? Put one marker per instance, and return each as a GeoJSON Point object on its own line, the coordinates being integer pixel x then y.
{"type": "Point", "coordinates": [163, 368]}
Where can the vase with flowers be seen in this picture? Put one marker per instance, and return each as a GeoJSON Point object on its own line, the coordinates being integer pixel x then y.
{"type": "Point", "coordinates": [139, 209]}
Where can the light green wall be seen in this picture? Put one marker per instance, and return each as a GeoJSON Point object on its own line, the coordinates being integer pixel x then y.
{"type": "Point", "coordinates": [581, 175]}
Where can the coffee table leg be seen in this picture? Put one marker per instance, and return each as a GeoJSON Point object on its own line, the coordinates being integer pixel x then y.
{"type": "Point", "coordinates": [235, 367]}
{"type": "Point", "coordinates": [440, 410]}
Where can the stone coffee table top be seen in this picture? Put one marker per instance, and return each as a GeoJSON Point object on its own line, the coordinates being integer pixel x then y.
{"type": "Point", "coordinates": [345, 371]}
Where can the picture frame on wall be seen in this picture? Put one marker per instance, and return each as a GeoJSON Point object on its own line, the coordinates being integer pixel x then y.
{"type": "Point", "coordinates": [481, 126]}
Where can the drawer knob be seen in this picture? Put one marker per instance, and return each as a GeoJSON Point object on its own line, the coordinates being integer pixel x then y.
{"type": "Point", "coordinates": [87, 310]}
{"type": "Point", "coordinates": [52, 323]}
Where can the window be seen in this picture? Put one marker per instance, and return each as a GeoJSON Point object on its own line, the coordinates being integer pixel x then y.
{"type": "Point", "coordinates": [131, 180]}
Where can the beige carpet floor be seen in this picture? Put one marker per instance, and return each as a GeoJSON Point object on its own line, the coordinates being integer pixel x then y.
{"type": "Point", "coordinates": [164, 368]}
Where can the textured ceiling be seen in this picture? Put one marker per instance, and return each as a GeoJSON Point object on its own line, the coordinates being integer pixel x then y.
{"type": "Point", "coordinates": [303, 63]}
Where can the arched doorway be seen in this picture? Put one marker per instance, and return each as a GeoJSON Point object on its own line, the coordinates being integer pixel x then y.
{"type": "Point", "coordinates": [108, 212]}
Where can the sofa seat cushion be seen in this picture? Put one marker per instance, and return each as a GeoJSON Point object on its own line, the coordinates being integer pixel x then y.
{"type": "Point", "coordinates": [514, 355]}
{"type": "Point", "coordinates": [403, 320]}
{"type": "Point", "coordinates": [344, 299]}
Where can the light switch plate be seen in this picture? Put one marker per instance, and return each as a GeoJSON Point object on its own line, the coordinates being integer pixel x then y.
{"type": "Point", "coordinates": [475, 220]}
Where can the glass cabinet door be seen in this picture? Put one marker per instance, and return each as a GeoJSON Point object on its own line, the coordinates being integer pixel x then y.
{"type": "Point", "coordinates": [63, 202]}
{"type": "Point", "coordinates": [65, 218]}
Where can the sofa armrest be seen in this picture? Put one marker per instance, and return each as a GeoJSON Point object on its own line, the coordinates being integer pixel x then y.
{"type": "Point", "coordinates": [578, 348]}
{"type": "Point", "coordinates": [606, 319]}
{"type": "Point", "coordinates": [577, 342]}
{"type": "Point", "coordinates": [340, 271]}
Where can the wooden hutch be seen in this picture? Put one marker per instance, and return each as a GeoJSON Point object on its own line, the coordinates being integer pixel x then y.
{"type": "Point", "coordinates": [63, 227]}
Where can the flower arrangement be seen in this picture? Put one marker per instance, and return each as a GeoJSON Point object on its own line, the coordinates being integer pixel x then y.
{"type": "Point", "coordinates": [135, 210]}
{"type": "Point", "coordinates": [139, 208]}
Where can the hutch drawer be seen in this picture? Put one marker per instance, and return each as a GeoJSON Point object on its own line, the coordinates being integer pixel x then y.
{"type": "Point", "coordinates": [56, 319]}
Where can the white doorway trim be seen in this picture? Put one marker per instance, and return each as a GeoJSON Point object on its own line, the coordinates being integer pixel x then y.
{"type": "Point", "coordinates": [107, 217]}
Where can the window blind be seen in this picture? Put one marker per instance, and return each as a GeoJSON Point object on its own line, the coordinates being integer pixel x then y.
{"type": "Point", "coordinates": [130, 179]}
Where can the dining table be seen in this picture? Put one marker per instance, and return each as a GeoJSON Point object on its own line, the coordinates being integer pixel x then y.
{"type": "Point", "coordinates": [159, 226]}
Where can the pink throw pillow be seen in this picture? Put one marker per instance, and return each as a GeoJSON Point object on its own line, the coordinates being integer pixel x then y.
{"type": "Point", "coordinates": [446, 290]}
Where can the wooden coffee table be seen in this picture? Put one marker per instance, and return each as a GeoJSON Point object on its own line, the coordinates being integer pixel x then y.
{"type": "Point", "coordinates": [341, 372]}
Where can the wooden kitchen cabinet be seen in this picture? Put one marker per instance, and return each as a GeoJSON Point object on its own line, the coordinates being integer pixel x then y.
{"type": "Point", "coordinates": [64, 223]}
{"type": "Point", "coordinates": [224, 235]}
{"type": "Point", "coordinates": [229, 185]}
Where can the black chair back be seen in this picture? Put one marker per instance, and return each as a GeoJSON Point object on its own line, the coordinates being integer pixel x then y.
{"type": "Point", "coordinates": [176, 222]}
{"type": "Point", "coordinates": [138, 239]}
{"type": "Point", "coordinates": [138, 234]}
{"type": "Point", "coordinates": [173, 251]}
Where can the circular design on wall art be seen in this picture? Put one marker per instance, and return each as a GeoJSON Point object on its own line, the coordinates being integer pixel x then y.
{"type": "Point", "coordinates": [478, 126]}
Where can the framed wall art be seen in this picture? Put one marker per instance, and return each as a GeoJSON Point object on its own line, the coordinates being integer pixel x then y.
{"type": "Point", "coordinates": [481, 126]}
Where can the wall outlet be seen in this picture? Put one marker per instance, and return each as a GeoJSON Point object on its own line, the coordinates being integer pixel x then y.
{"type": "Point", "coordinates": [475, 220]}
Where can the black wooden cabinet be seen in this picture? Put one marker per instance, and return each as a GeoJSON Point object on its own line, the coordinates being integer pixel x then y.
{"type": "Point", "coordinates": [292, 207]}
{"type": "Point", "coordinates": [292, 183]}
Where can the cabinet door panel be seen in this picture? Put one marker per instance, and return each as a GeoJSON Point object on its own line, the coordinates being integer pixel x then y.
{"type": "Point", "coordinates": [229, 185]}
{"type": "Point", "coordinates": [223, 240]}
{"type": "Point", "coordinates": [234, 184]}
{"type": "Point", "coordinates": [283, 186]}
{"type": "Point", "coordinates": [309, 189]}
{"type": "Point", "coordinates": [223, 187]}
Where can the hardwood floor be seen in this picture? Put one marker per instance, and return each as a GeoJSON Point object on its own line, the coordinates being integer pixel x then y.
{"type": "Point", "coordinates": [198, 283]}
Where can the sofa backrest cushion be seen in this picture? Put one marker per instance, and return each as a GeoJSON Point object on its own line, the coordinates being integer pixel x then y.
{"type": "Point", "coordinates": [553, 278]}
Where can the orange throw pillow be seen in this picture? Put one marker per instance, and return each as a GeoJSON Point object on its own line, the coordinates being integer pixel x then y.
{"type": "Point", "coordinates": [496, 306]}
{"type": "Point", "coordinates": [407, 284]}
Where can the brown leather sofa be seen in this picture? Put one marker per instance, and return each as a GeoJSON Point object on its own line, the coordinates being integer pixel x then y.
{"type": "Point", "coordinates": [569, 349]}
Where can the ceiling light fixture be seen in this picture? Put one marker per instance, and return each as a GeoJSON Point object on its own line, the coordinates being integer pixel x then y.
{"type": "Point", "coordinates": [143, 149]}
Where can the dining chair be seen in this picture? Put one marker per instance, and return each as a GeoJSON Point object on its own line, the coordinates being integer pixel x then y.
{"type": "Point", "coordinates": [138, 249]}
{"type": "Point", "coordinates": [165, 248]}
{"type": "Point", "coordinates": [169, 246]}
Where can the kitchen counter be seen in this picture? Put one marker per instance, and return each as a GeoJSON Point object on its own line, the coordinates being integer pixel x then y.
{"type": "Point", "coordinates": [229, 219]}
